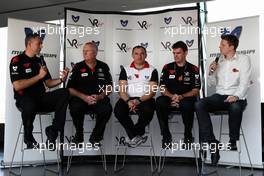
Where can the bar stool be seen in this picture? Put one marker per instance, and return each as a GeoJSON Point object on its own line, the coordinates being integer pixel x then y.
{"type": "Point", "coordinates": [92, 115]}
{"type": "Point", "coordinates": [223, 114]}
{"type": "Point", "coordinates": [125, 147]}
{"type": "Point", "coordinates": [21, 132]}
{"type": "Point", "coordinates": [163, 152]}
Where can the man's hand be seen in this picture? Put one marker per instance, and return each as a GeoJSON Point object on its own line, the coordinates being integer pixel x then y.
{"type": "Point", "coordinates": [97, 97]}
{"type": "Point", "coordinates": [212, 67]}
{"type": "Point", "coordinates": [90, 100]}
{"type": "Point", "coordinates": [64, 74]}
{"type": "Point", "coordinates": [231, 99]}
{"type": "Point", "coordinates": [42, 72]}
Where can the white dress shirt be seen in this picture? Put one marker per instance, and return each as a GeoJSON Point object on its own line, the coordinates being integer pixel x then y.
{"type": "Point", "coordinates": [232, 76]}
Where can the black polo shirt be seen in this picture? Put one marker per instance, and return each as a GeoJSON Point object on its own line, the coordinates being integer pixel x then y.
{"type": "Point", "coordinates": [90, 81]}
{"type": "Point", "coordinates": [24, 67]}
{"type": "Point", "coordinates": [179, 80]}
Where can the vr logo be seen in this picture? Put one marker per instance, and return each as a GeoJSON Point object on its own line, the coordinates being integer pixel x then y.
{"type": "Point", "coordinates": [95, 22]}
{"type": "Point", "coordinates": [74, 43]}
{"type": "Point", "coordinates": [143, 24]}
{"type": "Point", "coordinates": [166, 46]}
{"type": "Point", "coordinates": [122, 47]}
{"type": "Point", "coordinates": [121, 140]}
{"type": "Point", "coordinates": [188, 20]}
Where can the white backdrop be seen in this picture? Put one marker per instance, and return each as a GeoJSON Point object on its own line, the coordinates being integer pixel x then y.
{"type": "Point", "coordinates": [249, 44]}
{"type": "Point", "coordinates": [118, 34]}
{"type": "Point", "coordinates": [16, 44]}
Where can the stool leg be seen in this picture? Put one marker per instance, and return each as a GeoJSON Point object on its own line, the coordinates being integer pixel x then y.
{"type": "Point", "coordinates": [239, 158]}
{"type": "Point", "coordinates": [42, 141]}
{"type": "Point", "coordinates": [14, 152]}
{"type": "Point", "coordinates": [152, 154]}
{"type": "Point", "coordinates": [162, 158]}
{"type": "Point", "coordinates": [249, 159]}
{"type": "Point", "coordinates": [69, 157]}
{"type": "Point", "coordinates": [103, 159]}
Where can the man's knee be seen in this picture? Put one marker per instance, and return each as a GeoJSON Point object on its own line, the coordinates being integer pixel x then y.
{"type": "Point", "coordinates": [120, 108]}
{"type": "Point", "coordinates": [235, 107]}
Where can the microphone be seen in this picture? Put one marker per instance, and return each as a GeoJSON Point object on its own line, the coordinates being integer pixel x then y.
{"type": "Point", "coordinates": [216, 61]}
{"type": "Point", "coordinates": [42, 62]}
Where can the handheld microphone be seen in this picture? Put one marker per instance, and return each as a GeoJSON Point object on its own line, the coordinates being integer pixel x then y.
{"type": "Point", "coordinates": [42, 62]}
{"type": "Point", "coordinates": [216, 61]}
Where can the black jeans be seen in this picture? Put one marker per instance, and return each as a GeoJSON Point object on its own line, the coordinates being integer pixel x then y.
{"type": "Point", "coordinates": [145, 112]}
{"type": "Point", "coordinates": [186, 107]}
{"type": "Point", "coordinates": [102, 109]}
{"type": "Point", "coordinates": [56, 100]}
{"type": "Point", "coordinates": [216, 103]}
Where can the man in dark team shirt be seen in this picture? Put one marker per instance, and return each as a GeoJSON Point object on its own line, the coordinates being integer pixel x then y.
{"type": "Point", "coordinates": [181, 84]}
{"type": "Point", "coordinates": [90, 84]}
{"type": "Point", "coordinates": [137, 83]}
{"type": "Point", "coordinates": [30, 77]}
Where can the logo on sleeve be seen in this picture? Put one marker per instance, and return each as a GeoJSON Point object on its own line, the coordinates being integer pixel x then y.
{"type": "Point", "coordinates": [14, 68]}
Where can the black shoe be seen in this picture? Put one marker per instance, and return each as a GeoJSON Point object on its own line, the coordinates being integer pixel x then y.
{"type": "Point", "coordinates": [31, 143]}
{"type": "Point", "coordinates": [95, 142]}
{"type": "Point", "coordinates": [187, 143]}
{"type": "Point", "coordinates": [232, 145]}
{"type": "Point", "coordinates": [52, 135]}
{"type": "Point", "coordinates": [215, 156]}
{"type": "Point", "coordinates": [166, 142]}
{"type": "Point", "coordinates": [78, 138]}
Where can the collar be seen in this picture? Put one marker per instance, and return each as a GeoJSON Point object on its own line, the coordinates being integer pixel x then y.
{"type": "Point", "coordinates": [146, 65]}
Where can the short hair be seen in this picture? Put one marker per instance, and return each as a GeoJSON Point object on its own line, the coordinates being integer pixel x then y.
{"type": "Point", "coordinates": [92, 44]}
{"type": "Point", "coordinates": [30, 37]}
{"type": "Point", "coordinates": [180, 44]}
{"type": "Point", "coordinates": [139, 47]}
{"type": "Point", "coordinates": [231, 40]}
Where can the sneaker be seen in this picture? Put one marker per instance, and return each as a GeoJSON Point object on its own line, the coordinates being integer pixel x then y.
{"type": "Point", "coordinates": [137, 140]}
{"type": "Point", "coordinates": [52, 135]}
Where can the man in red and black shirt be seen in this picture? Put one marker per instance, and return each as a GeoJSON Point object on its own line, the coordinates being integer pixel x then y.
{"type": "Point", "coordinates": [30, 77]}
{"type": "Point", "coordinates": [90, 84]}
{"type": "Point", "coordinates": [180, 82]}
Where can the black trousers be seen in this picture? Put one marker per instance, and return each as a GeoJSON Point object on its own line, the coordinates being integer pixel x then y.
{"type": "Point", "coordinates": [102, 109]}
{"type": "Point", "coordinates": [186, 107]}
{"type": "Point", "coordinates": [216, 103]}
{"type": "Point", "coordinates": [145, 112]}
{"type": "Point", "coordinates": [56, 100]}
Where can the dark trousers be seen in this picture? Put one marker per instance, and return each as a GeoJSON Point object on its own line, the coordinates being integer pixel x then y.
{"type": "Point", "coordinates": [145, 112]}
{"type": "Point", "coordinates": [102, 110]}
{"type": "Point", "coordinates": [55, 101]}
{"type": "Point", "coordinates": [186, 107]}
{"type": "Point", "coordinates": [216, 103]}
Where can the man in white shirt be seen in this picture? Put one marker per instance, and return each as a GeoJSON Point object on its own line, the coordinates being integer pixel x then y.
{"type": "Point", "coordinates": [231, 76]}
{"type": "Point", "coordinates": [138, 83]}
